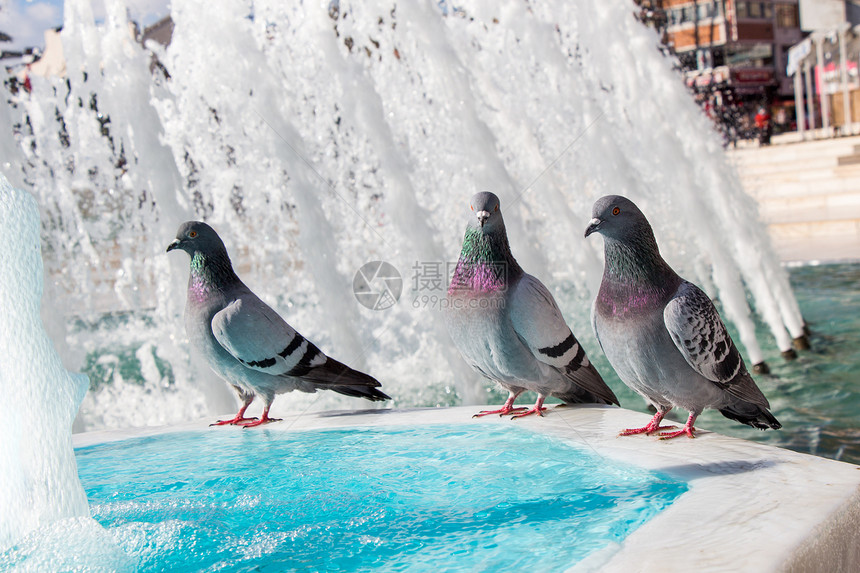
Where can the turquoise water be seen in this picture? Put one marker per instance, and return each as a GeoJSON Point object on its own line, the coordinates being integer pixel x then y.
{"type": "Point", "coordinates": [817, 396]}
{"type": "Point", "coordinates": [394, 499]}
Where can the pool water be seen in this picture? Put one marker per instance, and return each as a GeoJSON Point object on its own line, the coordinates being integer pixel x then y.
{"type": "Point", "coordinates": [393, 499]}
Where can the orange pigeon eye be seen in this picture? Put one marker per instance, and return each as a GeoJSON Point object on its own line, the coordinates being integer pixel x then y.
{"type": "Point", "coordinates": [497, 208]}
{"type": "Point", "coordinates": [616, 210]}
{"type": "Point", "coordinates": [471, 207]}
{"type": "Point", "coordinates": [192, 234]}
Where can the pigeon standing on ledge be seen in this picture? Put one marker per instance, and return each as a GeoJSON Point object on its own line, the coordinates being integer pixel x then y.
{"type": "Point", "coordinates": [507, 325]}
{"type": "Point", "coordinates": [246, 342]}
{"type": "Point", "coordinates": [661, 333]}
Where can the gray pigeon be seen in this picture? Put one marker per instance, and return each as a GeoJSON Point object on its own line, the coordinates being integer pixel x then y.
{"type": "Point", "coordinates": [661, 333]}
{"type": "Point", "coordinates": [246, 342]}
{"type": "Point", "coordinates": [507, 325]}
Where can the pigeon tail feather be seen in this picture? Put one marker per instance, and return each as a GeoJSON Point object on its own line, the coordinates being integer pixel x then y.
{"type": "Point", "coordinates": [751, 415]}
{"type": "Point", "coordinates": [340, 378]}
{"type": "Point", "coordinates": [589, 388]}
{"type": "Point", "coordinates": [366, 392]}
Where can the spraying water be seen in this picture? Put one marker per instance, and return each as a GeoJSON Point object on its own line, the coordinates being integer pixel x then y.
{"type": "Point", "coordinates": [317, 138]}
{"type": "Point", "coordinates": [40, 398]}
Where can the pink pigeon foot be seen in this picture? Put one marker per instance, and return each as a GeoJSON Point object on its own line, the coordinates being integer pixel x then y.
{"type": "Point", "coordinates": [264, 419]}
{"type": "Point", "coordinates": [507, 408]}
{"type": "Point", "coordinates": [651, 427]}
{"type": "Point", "coordinates": [533, 410]}
{"type": "Point", "coordinates": [235, 421]}
{"type": "Point", "coordinates": [688, 429]}
{"type": "Point", "coordinates": [503, 411]}
{"type": "Point", "coordinates": [536, 409]}
{"type": "Point", "coordinates": [240, 415]}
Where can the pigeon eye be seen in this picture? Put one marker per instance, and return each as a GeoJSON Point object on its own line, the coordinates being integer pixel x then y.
{"type": "Point", "coordinates": [192, 234]}
{"type": "Point", "coordinates": [497, 208]}
{"type": "Point", "coordinates": [472, 207]}
{"type": "Point", "coordinates": [616, 210]}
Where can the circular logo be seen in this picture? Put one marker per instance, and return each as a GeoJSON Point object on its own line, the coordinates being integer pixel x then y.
{"type": "Point", "coordinates": [377, 285]}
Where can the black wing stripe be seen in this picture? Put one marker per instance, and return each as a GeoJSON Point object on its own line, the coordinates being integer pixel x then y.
{"type": "Point", "coordinates": [558, 350]}
{"type": "Point", "coordinates": [292, 346]}
{"type": "Point", "coordinates": [578, 360]}
{"type": "Point", "coordinates": [303, 367]}
{"type": "Point", "coordinates": [266, 363]}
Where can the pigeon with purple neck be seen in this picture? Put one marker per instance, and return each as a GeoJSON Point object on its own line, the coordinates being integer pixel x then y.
{"type": "Point", "coordinates": [661, 333]}
{"type": "Point", "coordinates": [246, 342]}
{"type": "Point", "coordinates": [507, 326]}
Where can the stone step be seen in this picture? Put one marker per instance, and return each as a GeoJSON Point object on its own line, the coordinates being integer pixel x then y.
{"type": "Point", "coordinates": [852, 159]}
{"type": "Point", "coordinates": [824, 248]}
{"type": "Point", "coordinates": [795, 214]}
{"type": "Point", "coordinates": [776, 174]}
{"type": "Point", "coordinates": [845, 231]}
{"type": "Point", "coordinates": [788, 154]}
{"type": "Point", "coordinates": [765, 189]}
{"type": "Point", "coordinates": [766, 169]}
{"type": "Point", "coordinates": [807, 152]}
{"type": "Point", "coordinates": [808, 195]}
{"type": "Point", "coordinates": [810, 208]}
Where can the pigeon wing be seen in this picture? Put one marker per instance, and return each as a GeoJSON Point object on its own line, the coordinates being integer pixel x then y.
{"type": "Point", "coordinates": [259, 338]}
{"type": "Point", "coordinates": [700, 335]}
{"type": "Point", "coordinates": [594, 324]}
{"type": "Point", "coordinates": [539, 323]}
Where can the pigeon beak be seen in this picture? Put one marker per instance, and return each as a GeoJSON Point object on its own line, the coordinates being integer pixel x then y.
{"type": "Point", "coordinates": [482, 217]}
{"type": "Point", "coordinates": [173, 245]}
{"type": "Point", "coordinates": [594, 225]}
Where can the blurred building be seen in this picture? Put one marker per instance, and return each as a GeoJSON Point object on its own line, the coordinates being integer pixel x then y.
{"type": "Point", "coordinates": [50, 60]}
{"type": "Point", "coordinates": [825, 67]}
{"type": "Point", "coordinates": [733, 54]}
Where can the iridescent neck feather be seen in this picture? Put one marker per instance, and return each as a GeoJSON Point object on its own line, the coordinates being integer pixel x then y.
{"type": "Point", "coordinates": [209, 272]}
{"type": "Point", "coordinates": [486, 264]}
{"type": "Point", "coordinates": [635, 273]}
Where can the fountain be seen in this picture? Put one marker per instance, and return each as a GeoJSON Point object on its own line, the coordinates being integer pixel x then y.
{"type": "Point", "coordinates": [319, 138]}
{"type": "Point", "coordinates": [40, 398]}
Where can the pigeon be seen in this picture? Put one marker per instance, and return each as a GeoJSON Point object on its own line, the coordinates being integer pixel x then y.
{"type": "Point", "coordinates": [246, 342]}
{"type": "Point", "coordinates": [507, 326]}
{"type": "Point", "coordinates": [662, 334]}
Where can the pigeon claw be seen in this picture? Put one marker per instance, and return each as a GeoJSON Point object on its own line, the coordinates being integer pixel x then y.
{"type": "Point", "coordinates": [647, 430]}
{"type": "Point", "coordinates": [234, 422]}
{"type": "Point", "coordinates": [529, 412]}
{"type": "Point", "coordinates": [503, 411]}
{"type": "Point", "coordinates": [688, 430]}
{"type": "Point", "coordinates": [534, 410]}
{"type": "Point", "coordinates": [260, 422]}
{"type": "Point", "coordinates": [652, 426]}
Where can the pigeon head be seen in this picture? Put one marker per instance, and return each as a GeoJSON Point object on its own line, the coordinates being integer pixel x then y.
{"type": "Point", "coordinates": [617, 217]}
{"type": "Point", "coordinates": [486, 214]}
{"type": "Point", "coordinates": [197, 237]}
{"type": "Point", "coordinates": [486, 262]}
{"type": "Point", "coordinates": [631, 251]}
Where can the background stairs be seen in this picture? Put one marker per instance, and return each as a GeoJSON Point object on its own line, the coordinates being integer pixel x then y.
{"type": "Point", "coordinates": [808, 194]}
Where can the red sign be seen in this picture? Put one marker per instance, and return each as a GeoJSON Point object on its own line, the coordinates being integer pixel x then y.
{"type": "Point", "coordinates": [753, 76]}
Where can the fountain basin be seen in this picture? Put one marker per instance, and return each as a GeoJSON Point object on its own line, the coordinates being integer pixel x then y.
{"type": "Point", "coordinates": [747, 506]}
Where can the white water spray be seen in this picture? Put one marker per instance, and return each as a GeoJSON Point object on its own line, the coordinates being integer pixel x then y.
{"type": "Point", "coordinates": [40, 398]}
{"type": "Point", "coordinates": [316, 138]}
